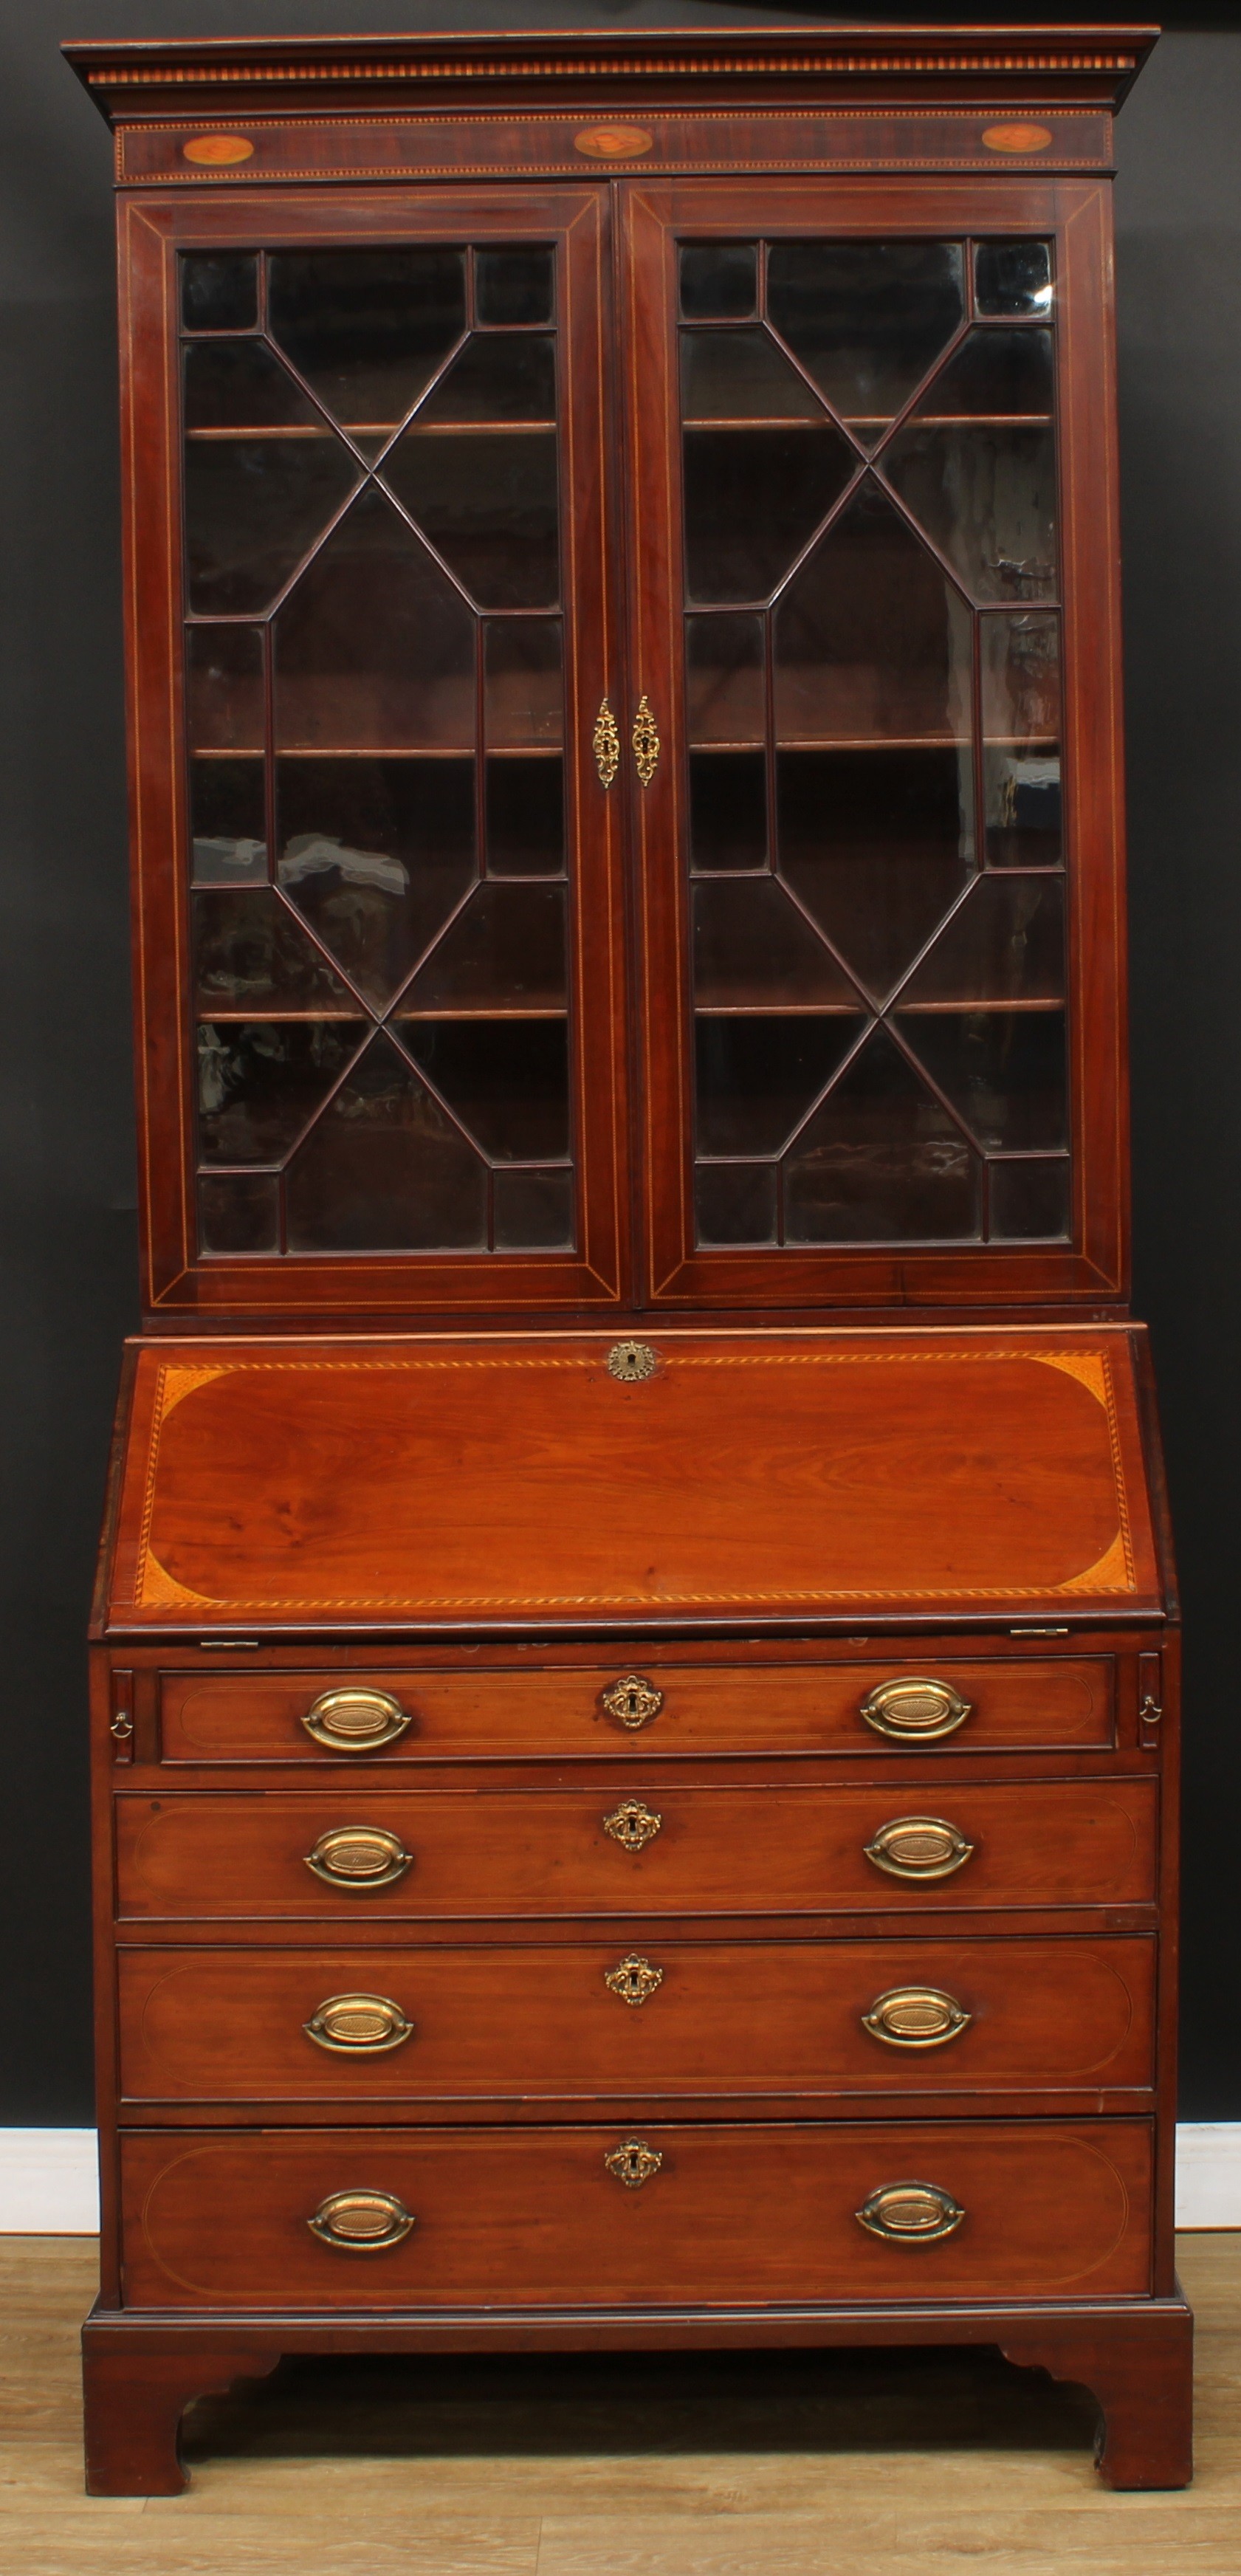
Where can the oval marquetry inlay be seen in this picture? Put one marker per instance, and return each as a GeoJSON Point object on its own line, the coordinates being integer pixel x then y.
{"type": "Point", "coordinates": [613, 142]}
{"type": "Point", "coordinates": [1017, 138]}
{"type": "Point", "coordinates": [218, 151]}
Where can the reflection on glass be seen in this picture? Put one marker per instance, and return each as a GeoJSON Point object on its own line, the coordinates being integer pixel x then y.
{"type": "Point", "coordinates": [533, 1211]}
{"type": "Point", "coordinates": [507, 1081]}
{"type": "Point", "coordinates": [987, 496]}
{"type": "Point", "coordinates": [260, 1081]}
{"type": "Point", "coordinates": [727, 810]}
{"type": "Point", "coordinates": [1004, 943]}
{"type": "Point", "coordinates": [872, 641]}
{"type": "Point", "coordinates": [507, 948]}
{"type": "Point", "coordinates": [1021, 725]}
{"type": "Point", "coordinates": [735, 1203]}
{"type": "Point", "coordinates": [523, 688]}
{"type": "Point", "coordinates": [741, 375]}
{"type": "Point", "coordinates": [878, 846]}
{"type": "Point", "coordinates": [495, 380]}
{"type": "Point", "coordinates": [1030, 1201]}
{"type": "Point", "coordinates": [1012, 277]}
{"type": "Point", "coordinates": [376, 854]}
{"type": "Point", "coordinates": [385, 1169]}
{"type": "Point", "coordinates": [238, 1212]}
{"type": "Point", "coordinates": [525, 816]}
{"type": "Point", "coordinates": [224, 687]}
{"type": "Point", "coordinates": [1004, 1071]}
{"type": "Point", "coordinates": [513, 285]}
{"type": "Point", "coordinates": [753, 948]}
{"type": "Point", "coordinates": [252, 956]}
{"type": "Point", "coordinates": [489, 506]}
{"type": "Point", "coordinates": [757, 1077]}
{"type": "Point", "coordinates": [866, 318]}
{"type": "Point", "coordinates": [881, 1161]}
{"type": "Point", "coordinates": [374, 649]}
{"type": "Point", "coordinates": [725, 695]}
{"type": "Point", "coordinates": [367, 328]}
{"type": "Point", "coordinates": [219, 290]}
{"type": "Point", "coordinates": [1005, 372]}
{"type": "Point", "coordinates": [718, 280]}
{"type": "Point", "coordinates": [228, 824]}
{"type": "Point", "coordinates": [753, 497]}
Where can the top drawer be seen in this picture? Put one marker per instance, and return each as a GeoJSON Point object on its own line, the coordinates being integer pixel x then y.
{"type": "Point", "coordinates": [567, 1712]}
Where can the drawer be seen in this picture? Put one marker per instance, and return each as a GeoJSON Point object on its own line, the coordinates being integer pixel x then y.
{"type": "Point", "coordinates": [496, 1712]}
{"type": "Point", "coordinates": [680, 2017]}
{"type": "Point", "coordinates": [669, 2215]}
{"type": "Point", "coordinates": [651, 1849]}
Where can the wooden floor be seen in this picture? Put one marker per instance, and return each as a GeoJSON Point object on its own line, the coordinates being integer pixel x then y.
{"type": "Point", "coordinates": [742, 2465]}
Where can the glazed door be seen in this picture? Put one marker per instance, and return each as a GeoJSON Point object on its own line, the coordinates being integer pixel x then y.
{"type": "Point", "coordinates": [365, 735]}
{"type": "Point", "coordinates": [874, 599]}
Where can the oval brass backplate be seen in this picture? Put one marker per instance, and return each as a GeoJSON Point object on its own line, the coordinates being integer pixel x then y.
{"type": "Point", "coordinates": [359, 1858]}
{"type": "Point", "coordinates": [910, 2213]}
{"type": "Point", "coordinates": [358, 2025]}
{"type": "Point", "coordinates": [354, 1720]}
{"type": "Point", "coordinates": [918, 1847]}
{"type": "Point", "coordinates": [361, 2222]}
{"type": "Point", "coordinates": [915, 2017]}
{"type": "Point", "coordinates": [912, 1707]}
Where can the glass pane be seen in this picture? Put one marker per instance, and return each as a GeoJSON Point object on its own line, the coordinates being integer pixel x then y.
{"type": "Point", "coordinates": [1030, 1201]}
{"type": "Point", "coordinates": [1004, 1071]}
{"type": "Point", "coordinates": [228, 822]}
{"type": "Point", "coordinates": [871, 641]}
{"type": "Point", "coordinates": [219, 290]}
{"type": "Point", "coordinates": [727, 809]}
{"type": "Point", "coordinates": [878, 845]}
{"type": "Point", "coordinates": [987, 496]}
{"type": "Point", "coordinates": [523, 689]}
{"type": "Point", "coordinates": [506, 948]}
{"type": "Point", "coordinates": [752, 947]}
{"type": "Point", "coordinates": [1012, 277]}
{"type": "Point", "coordinates": [735, 1203]}
{"type": "Point", "coordinates": [533, 1211]}
{"type": "Point", "coordinates": [881, 1161]}
{"type": "Point", "coordinates": [367, 328]}
{"type": "Point", "coordinates": [240, 385]}
{"type": "Point", "coordinates": [525, 816]}
{"type": "Point", "coordinates": [506, 1080]}
{"type": "Point", "coordinates": [385, 1169]}
{"type": "Point", "coordinates": [1021, 722]}
{"type": "Point", "coordinates": [252, 956]}
{"type": "Point", "coordinates": [758, 1076]}
{"type": "Point", "coordinates": [718, 280]}
{"type": "Point", "coordinates": [866, 318]}
{"type": "Point", "coordinates": [495, 381]}
{"type": "Point", "coordinates": [374, 649]}
{"type": "Point", "coordinates": [1004, 943]}
{"type": "Point", "coordinates": [725, 690]}
{"type": "Point", "coordinates": [741, 375]}
{"type": "Point", "coordinates": [1002, 372]}
{"type": "Point", "coordinates": [224, 687]}
{"type": "Point", "coordinates": [753, 498]}
{"type": "Point", "coordinates": [377, 854]}
{"type": "Point", "coordinates": [260, 1081]}
{"type": "Point", "coordinates": [253, 509]}
{"type": "Point", "coordinates": [238, 1212]}
{"type": "Point", "coordinates": [489, 505]}
{"type": "Point", "coordinates": [514, 285]}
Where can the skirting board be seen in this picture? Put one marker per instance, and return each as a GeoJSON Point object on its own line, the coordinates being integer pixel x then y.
{"type": "Point", "coordinates": [48, 2183]}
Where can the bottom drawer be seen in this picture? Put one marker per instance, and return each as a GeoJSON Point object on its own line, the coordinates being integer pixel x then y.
{"type": "Point", "coordinates": [582, 2217]}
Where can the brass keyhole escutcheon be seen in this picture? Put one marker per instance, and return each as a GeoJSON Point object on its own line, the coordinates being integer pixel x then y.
{"type": "Point", "coordinates": [633, 2162]}
{"type": "Point", "coordinates": [631, 1362]}
{"type": "Point", "coordinates": [645, 743]}
{"type": "Point", "coordinates": [633, 1979]}
{"type": "Point", "coordinates": [605, 743]}
{"type": "Point", "coordinates": [632, 1701]}
{"type": "Point", "coordinates": [632, 1825]}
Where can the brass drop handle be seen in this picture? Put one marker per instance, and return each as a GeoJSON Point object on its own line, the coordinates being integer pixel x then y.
{"type": "Point", "coordinates": [359, 1858]}
{"type": "Point", "coordinates": [910, 2213]}
{"type": "Point", "coordinates": [910, 1707]}
{"type": "Point", "coordinates": [354, 1720]}
{"type": "Point", "coordinates": [633, 1979]}
{"type": "Point", "coordinates": [916, 2017]}
{"type": "Point", "coordinates": [645, 740]}
{"type": "Point", "coordinates": [633, 2162]}
{"type": "Point", "coordinates": [632, 1825]}
{"type": "Point", "coordinates": [918, 1847]}
{"type": "Point", "coordinates": [358, 2025]}
{"type": "Point", "coordinates": [632, 1701]}
{"type": "Point", "coordinates": [361, 2222]}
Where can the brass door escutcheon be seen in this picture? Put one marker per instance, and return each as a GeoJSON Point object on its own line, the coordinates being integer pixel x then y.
{"type": "Point", "coordinates": [916, 2017]}
{"type": "Point", "coordinates": [359, 1858]}
{"type": "Point", "coordinates": [632, 1824]}
{"type": "Point", "coordinates": [910, 2213]}
{"type": "Point", "coordinates": [632, 1701]}
{"type": "Point", "coordinates": [645, 742]}
{"type": "Point", "coordinates": [361, 2222]}
{"type": "Point", "coordinates": [355, 1720]}
{"type": "Point", "coordinates": [633, 1979]}
{"type": "Point", "coordinates": [605, 743]}
{"type": "Point", "coordinates": [631, 1362]}
{"type": "Point", "coordinates": [918, 1847]}
{"type": "Point", "coordinates": [358, 2025]}
{"type": "Point", "coordinates": [633, 2162]}
{"type": "Point", "coordinates": [912, 1707]}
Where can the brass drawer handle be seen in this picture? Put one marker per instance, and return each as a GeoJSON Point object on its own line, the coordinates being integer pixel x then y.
{"type": "Point", "coordinates": [359, 1858]}
{"type": "Point", "coordinates": [632, 1825]}
{"type": "Point", "coordinates": [910, 2213]}
{"type": "Point", "coordinates": [632, 1701]}
{"type": "Point", "coordinates": [354, 1720]}
{"type": "Point", "coordinates": [633, 2162]}
{"type": "Point", "coordinates": [914, 1708]}
{"type": "Point", "coordinates": [916, 2017]}
{"type": "Point", "coordinates": [361, 2222]}
{"type": "Point", "coordinates": [353, 2025]}
{"type": "Point", "coordinates": [918, 1847]}
{"type": "Point", "coordinates": [633, 1979]}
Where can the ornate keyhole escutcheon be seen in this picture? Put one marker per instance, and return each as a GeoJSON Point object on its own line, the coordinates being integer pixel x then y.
{"type": "Point", "coordinates": [632, 1701]}
{"type": "Point", "coordinates": [910, 2213]}
{"type": "Point", "coordinates": [605, 743]}
{"type": "Point", "coordinates": [633, 2162]}
{"type": "Point", "coordinates": [633, 1979]}
{"type": "Point", "coordinates": [645, 743]}
{"type": "Point", "coordinates": [632, 1825]}
{"type": "Point", "coordinates": [632, 1362]}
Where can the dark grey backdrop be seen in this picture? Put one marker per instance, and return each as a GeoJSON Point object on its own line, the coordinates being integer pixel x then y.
{"type": "Point", "coordinates": [67, 1238]}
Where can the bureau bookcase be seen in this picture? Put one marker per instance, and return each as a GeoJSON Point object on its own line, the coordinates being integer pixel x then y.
{"type": "Point", "coordinates": [635, 1656]}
